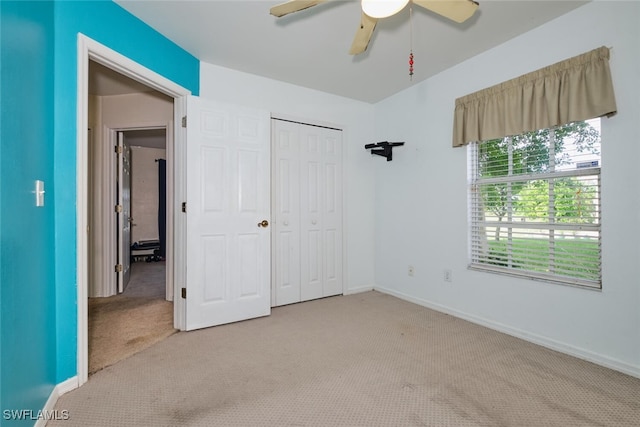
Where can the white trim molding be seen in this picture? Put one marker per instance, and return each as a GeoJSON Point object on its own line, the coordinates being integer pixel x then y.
{"type": "Point", "coordinates": [48, 411]}
{"type": "Point", "coordinates": [89, 49]}
{"type": "Point", "coordinates": [579, 353]}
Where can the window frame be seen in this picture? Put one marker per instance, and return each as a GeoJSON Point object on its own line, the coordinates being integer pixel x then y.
{"type": "Point", "coordinates": [476, 226]}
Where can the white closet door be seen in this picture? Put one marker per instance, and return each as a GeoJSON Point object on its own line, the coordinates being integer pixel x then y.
{"type": "Point", "coordinates": [331, 209]}
{"type": "Point", "coordinates": [320, 212]}
{"type": "Point", "coordinates": [311, 197]}
{"type": "Point", "coordinates": [286, 212]}
{"type": "Point", "coordinates": [308, 211]}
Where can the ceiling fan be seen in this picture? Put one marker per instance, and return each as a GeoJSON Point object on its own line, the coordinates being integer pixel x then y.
{"type": "Point", "coordinates": [372, 10]}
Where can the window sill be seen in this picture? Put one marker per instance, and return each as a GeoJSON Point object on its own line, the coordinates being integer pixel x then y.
{"type": "Point", "coordinates": [540, 277]}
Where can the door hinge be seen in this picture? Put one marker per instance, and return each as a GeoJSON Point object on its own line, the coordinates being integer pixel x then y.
{"type": "Point", "coordinates": [184, 293]}
{"type": "Point", "coordinates": [118, 208]}
{"type": "Point", "coordinates": [184, 121]}
{"type": "Point", "coordinates": [184, 206]}
{"type": "Point", "coordinates": [118, 149]}
{"type": "Point", "coordinates": [118, 268]}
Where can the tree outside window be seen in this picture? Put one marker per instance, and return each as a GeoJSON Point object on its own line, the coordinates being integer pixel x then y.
{"type": "Point", "coordinates": [535, 203]}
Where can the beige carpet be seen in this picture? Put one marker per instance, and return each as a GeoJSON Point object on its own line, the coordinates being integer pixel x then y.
{"type": "Point", "coordinates": [123, 325]}
{"type": "Point", "coordinates": [360, 360]}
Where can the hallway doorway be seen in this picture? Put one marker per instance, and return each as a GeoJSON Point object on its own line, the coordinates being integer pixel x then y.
{"type": "Point", "coordinates": [129, 304]}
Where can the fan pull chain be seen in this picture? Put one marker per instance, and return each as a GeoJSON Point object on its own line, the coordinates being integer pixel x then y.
{"type": "Point", "coordinates": [411, 66]}
{"type": "Point", "coordinates": [410, 42]}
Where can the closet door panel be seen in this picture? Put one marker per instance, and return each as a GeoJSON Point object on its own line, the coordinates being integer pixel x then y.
{"type": "Point", "coordinates": [332, 212]}
{"type": "Point", "coordinates": [286, 213]}
{"type": "Point", "coordinates": [307, 212]}
{"type": "Point", "coordinates": [311, 199]}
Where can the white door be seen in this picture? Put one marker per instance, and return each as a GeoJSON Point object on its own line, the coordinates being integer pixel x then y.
{"type": "Point", "coordinates": [307, 206]}
{"type": "Point", "coordinates": [124, 213]}
{"type": "Point", "coordinates": [320, 212]}
{"type": "Point", "coordinates": [286, 212]}
{"type": "Point", "coordinates": [228, 198]}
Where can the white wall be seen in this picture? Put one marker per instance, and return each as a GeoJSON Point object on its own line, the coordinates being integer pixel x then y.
{"type": "Point", "coordinates": [144, 192]}
{"type": "Point", "coordinates": [421, 199]}
{"type": "Point", "coordinates": [310, 106]}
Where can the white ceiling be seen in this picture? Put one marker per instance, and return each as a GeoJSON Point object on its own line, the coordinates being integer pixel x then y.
{"type": "Point", "coordinates": [310, 48]}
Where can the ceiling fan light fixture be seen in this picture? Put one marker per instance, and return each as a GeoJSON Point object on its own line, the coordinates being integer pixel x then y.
{"type": "Point", "coordinates": [383, 8]}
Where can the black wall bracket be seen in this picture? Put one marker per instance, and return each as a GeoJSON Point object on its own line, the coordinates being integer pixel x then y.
{"type": "Point", "coordinates": [384, 148]}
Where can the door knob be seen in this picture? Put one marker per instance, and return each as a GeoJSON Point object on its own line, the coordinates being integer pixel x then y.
{"type": "Point", "coordinates": [263, 223]}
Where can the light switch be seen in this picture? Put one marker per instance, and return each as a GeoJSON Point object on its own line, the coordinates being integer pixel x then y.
{"type": "Point", "coordinates": [39, 193]}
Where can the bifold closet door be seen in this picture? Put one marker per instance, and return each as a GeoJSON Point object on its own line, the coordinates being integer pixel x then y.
{"type": "Point", "coordinates": [285, 212]}
{"type": "Point", "coordinates": [307, 209]}
{"type": "Point", "coordinates": [320, 212]}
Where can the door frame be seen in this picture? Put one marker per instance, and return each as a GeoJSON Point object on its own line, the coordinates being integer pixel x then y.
{"type": "Point", "coordinates": [89, 49]}
{"type": "Point", "coordinates": [123, 257]}
{"type": "Point", "coordinates": [108, 228]}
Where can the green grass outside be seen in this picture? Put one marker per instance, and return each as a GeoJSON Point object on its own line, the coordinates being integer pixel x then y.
{"type": "Point", "coordinates": [573, 257]}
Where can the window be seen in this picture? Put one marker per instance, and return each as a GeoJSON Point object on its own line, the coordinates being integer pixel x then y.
{"type": "Point", "coordinates": [535, 204]}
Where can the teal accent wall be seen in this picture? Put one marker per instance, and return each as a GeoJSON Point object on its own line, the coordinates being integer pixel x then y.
{"type": "Point", "coordinates": [38, 88]}
{"type": "Point", "coordinates": [1, 259]}
{"type": "Point", "coordinates": [111, 25]}
{"type": "Point", "coordinates": [1, 180]}
{"type": "Point", "coordinates": [27, 265]}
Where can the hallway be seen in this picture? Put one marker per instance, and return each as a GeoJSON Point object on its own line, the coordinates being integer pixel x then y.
{"type": "Point", "coordinates": [122, 325]}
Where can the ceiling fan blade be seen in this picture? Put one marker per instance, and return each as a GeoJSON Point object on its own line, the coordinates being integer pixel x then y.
{"type": "Point", "coordinates": [363, 35]}
{"type": "Point", "coordinates": [456, 10]}
{"type": "Point", "coordinates": [292, 6]}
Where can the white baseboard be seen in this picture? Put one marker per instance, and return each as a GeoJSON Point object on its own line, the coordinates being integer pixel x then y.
{"type": "Point", "coordinates": [60, 389]}
{"type": "Point", "coordinates": [357, 290]}
{"type": "Point", "coordinates": [67, 386]}
{"type": "Point", "coordinates": [580, 353]}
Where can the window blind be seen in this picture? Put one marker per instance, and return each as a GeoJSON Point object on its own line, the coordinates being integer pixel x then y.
{"type": "Point", "coordinates": [535, 205]}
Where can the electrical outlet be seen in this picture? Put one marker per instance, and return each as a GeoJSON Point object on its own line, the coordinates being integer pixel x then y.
{"type": "Point", "coordinates": [447, 275]}
{"type": "Point", "coordinates": [411, 271]}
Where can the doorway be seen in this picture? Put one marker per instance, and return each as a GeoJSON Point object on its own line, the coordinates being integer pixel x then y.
{"type": "Point", "coordinates": [128, 119]}
{"type": "Point", "coordinates": [129, 304]}
{"type": "Point", "coordinates": [145, 151]}
{"type": "Point", "coordinates": [90, 51]}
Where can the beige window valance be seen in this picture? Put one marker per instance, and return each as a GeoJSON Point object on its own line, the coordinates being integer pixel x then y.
{"type": "Point", "coordinates": [579, 88]}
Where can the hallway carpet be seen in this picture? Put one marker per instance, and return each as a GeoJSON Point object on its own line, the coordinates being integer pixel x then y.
{"type": "Point", "coordinates": [367, 359]}
{"type": "Point", "coordinates": [122, 325]}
